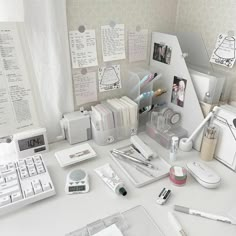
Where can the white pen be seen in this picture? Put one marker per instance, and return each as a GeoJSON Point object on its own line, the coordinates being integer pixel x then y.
{"type": "Point", "coordinates": [204, 214]}
{"type": "Point", "coordinates": [176, 224]}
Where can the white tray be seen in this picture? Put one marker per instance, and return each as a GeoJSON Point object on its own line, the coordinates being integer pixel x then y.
{"type": "Point", "coordinates": [136, 177]}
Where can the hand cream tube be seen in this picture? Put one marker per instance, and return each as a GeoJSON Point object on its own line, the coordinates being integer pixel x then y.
{"type": "Point", "coordinates": [109, 176]}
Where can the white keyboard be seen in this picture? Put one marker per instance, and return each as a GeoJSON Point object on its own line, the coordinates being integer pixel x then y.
{"type": "Point", "coordinates": [24, 182]}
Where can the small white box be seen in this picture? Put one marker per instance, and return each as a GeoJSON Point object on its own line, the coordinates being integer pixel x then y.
{"type": "Point", "coordinates": [75, 154]}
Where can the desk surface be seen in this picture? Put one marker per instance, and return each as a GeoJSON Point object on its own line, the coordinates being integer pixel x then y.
{"type": "Point", "coordinates": [63, 213]}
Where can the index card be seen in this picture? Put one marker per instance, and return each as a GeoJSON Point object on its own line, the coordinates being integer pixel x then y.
{"type": "Point", "coordinates": [109, 78]}
{"type": "Point", "coordinates": [83, 48]}
{"type": "Point", "coordinates": [224, 52]}
{"type": "Point", "coordinates": [85, 88]}
{"type": "Point", "coordinates": [113, 42]}
{"type": "Point", "coordinates": [138, 41]}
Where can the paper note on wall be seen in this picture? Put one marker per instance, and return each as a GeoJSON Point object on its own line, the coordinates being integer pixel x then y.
{"type": "Point", "coordinates": [113, 42]}
{"type": "Point", "coordinates": [109, 78]}
{"type": "Point", "coordinates": [224, 52]}
{"type": "Point", "coordinates": [83, 48]}
{"type": "Point", "coordinates": [85, 88]}
{"type": "Point", "coordinates": [109, 231]}
{"type": "Point", "coordinates": [17, 110]}
{"type": "Point", "coordinates": [138, 41]}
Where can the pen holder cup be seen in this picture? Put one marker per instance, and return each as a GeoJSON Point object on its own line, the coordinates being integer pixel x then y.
{"type": "Point", "coordinates": [209, 143]}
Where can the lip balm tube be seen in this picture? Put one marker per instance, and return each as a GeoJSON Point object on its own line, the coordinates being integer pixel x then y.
{"type": "Point", "coordinates": [111, 179]}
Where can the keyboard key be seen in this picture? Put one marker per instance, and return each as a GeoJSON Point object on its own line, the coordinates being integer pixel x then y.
{"type": "Point", "coordinates": [21, 163]}
{"type": "Point", "coordinates": [29, 192]}
{"type": "Point", "coordinates": [2, 180]}
{"type": "Point", "coordinates": [46, 186]}
{"type": "Point", "coordinates": [9, 191]}
{"type": "Point", "coordinates": [37, 158]}
{"type": "Point", "coordinates": [40, 169]}
{"type": "Point", "coordinates": [5, 200]}
{"type": "Point", "coordinates": [3, 168]}
{"type": "Point", "coordinates": [11, 177]}
{"type": "Point", "coordinates": [16, 196]}
{"type": "Point", "coordinates": [29, 161]}
{"type": "Point", "coordinates": [24, 174]}
{"type": "Point", "coordinates": [11, 165]}
{"type": "Point", "coordinates": [8, 185]}
{"type": "Point", "coordinates": [32, 172]}
{"type": "Point", "coordinates": [38, 189]}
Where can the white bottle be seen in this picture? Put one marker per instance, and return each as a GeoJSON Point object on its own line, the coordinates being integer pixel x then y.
{"type": "Point", "coordinates": [174, 148]}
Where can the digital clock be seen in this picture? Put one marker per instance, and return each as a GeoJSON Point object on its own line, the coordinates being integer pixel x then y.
{"type": "Point", "coordinates": [31, 142]}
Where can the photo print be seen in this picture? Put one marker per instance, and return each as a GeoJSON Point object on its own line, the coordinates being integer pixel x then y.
{"type": "Point", "coordinates": [161, 53]}
{"type": "Point", "coordinates": [178, 91]}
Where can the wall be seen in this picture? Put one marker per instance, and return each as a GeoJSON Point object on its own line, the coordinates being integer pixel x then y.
{"type": "Point", "coordinates": [154, 15]}
{"type": "Point", "coordinates": [209, 18]}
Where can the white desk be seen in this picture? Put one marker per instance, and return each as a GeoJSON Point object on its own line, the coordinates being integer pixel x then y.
{"type": "Point", "coordinates": [63, 213]}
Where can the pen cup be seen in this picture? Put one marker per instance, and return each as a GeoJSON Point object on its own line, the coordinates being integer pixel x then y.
{"type": "Point", "coordinates": [209, 142]}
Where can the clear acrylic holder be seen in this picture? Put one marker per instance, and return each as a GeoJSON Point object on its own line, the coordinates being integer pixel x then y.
{"type": "Point", "coordinates": [164, 137]}
{"type": "Point", "coordinates": [134, 89]}
{"type": "Point", "coordinates": [105, 137]}
{"type": "Point", "coordinates": [135, 221]}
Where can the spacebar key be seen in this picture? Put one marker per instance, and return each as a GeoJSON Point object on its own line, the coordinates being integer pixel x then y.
{"type": "Point", "coordinates": [9, 191]}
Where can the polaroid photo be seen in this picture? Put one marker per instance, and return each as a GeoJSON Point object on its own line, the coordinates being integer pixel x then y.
{"type": "Point", "coordinates": [162, 53]}
{"type": "Point", "coordinates": [178, 91]}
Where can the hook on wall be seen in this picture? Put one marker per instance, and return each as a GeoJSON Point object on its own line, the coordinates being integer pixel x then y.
{"type": "Point", "coordinates": [112, 24]}
{"type": "Point", "coordinates": [81, 28]}
{"type": "Point", "coordinates": [84, 71]}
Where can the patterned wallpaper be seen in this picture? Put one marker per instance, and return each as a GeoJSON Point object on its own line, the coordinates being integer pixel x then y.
{"type": "Point", "coordinates": [154, 15]}
{"type": "Point", "coordinates": [209, 18]}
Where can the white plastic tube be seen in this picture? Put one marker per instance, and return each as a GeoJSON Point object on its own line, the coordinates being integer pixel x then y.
{"type": "Point", "coordinates": [111, 179]}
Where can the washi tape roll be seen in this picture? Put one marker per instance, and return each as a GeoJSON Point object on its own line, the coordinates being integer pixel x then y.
{"type": "Point", "coordinates": [178, 175]}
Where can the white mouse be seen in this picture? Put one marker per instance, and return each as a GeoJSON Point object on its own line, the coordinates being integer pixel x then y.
{"type": "Point", "coordinates": [203, 174]}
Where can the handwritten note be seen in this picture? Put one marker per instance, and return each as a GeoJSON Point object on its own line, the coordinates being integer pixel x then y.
{"type": "Point", "coordinates": [17, 108]}
{"type": "Point", "coordinates": [138, 41]}
{"type": "Point", "coordinates": [85, 88]}
{"type": "Point", "coordinates": [224, 52]}
{"type": "Point", "coordinates": [109, 78]}
{"type": "Point", "coordinates": [83, 48]}
{"type": "Point", "coordinates": [113, 42]}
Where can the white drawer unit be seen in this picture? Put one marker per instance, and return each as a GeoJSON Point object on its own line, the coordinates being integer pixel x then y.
{"type": "Point", "coordinates": [23, 182]}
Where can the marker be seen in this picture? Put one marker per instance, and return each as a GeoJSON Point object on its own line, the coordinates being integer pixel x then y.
{"type": "Point", "coordinates": [204, 214]}
{"type": "Point", "coordinates": [176, 224]}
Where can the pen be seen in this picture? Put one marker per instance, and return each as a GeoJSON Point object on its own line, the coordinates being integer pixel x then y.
{"type": "Point", "coordinates": [176, 224]}
{"type": "Point", "coordinates": [137, 167]}
{"type": "Point", "coordinates": [134, 159]}
{"type": "Point", "coordinates": [203, 214]}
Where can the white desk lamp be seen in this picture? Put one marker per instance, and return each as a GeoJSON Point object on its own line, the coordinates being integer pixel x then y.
{"type": "Point", "coordinates": [186, 144]}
